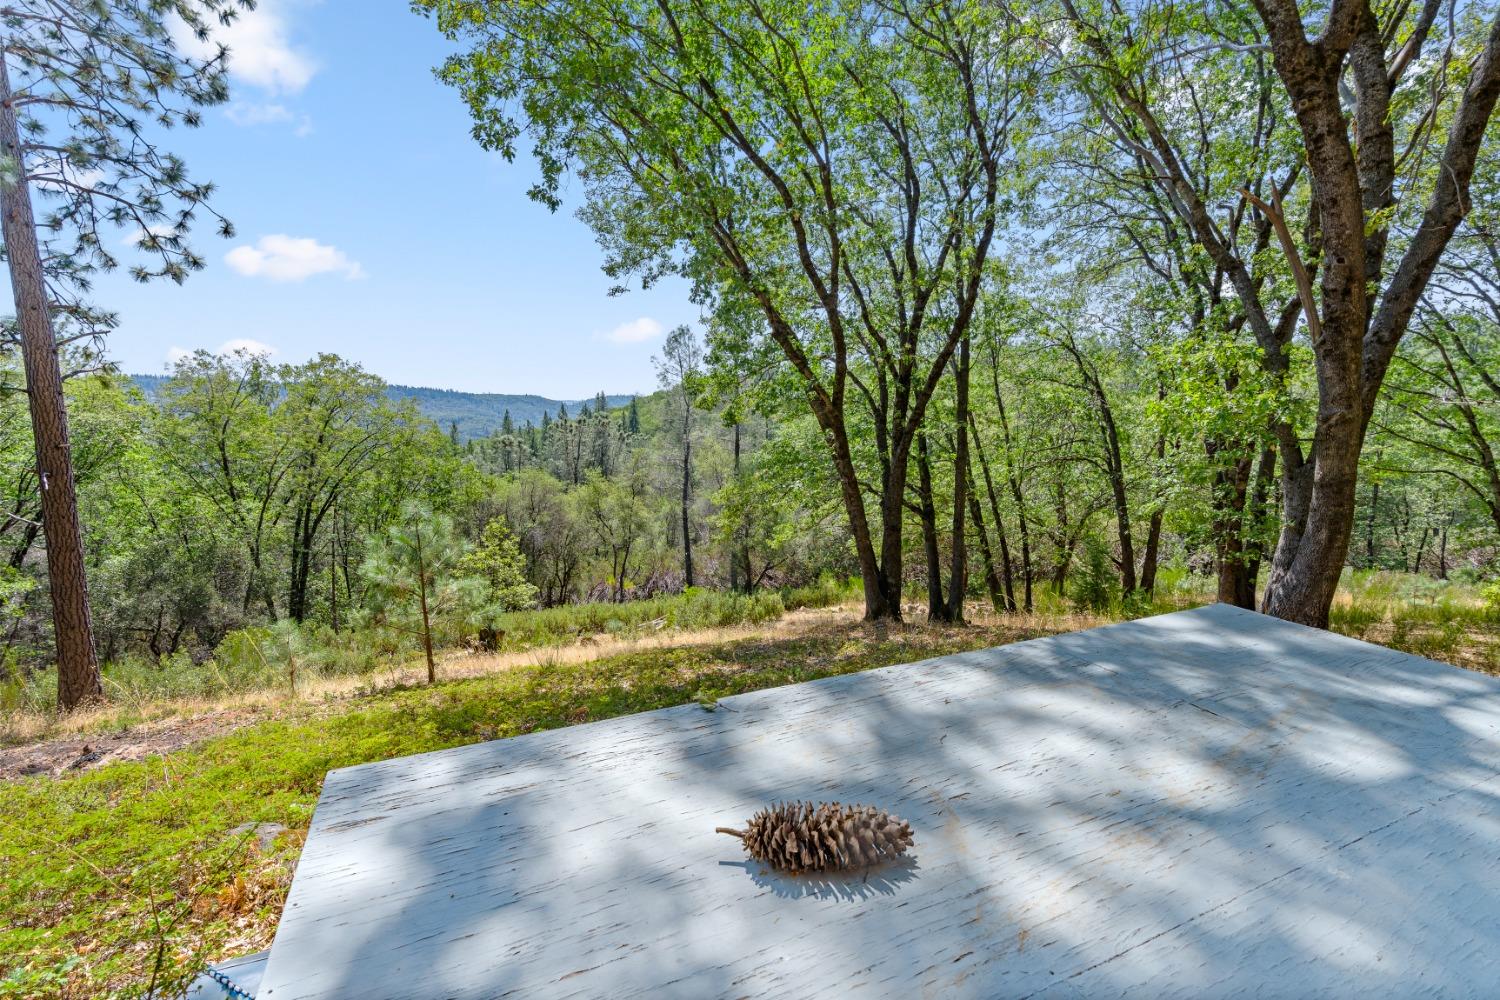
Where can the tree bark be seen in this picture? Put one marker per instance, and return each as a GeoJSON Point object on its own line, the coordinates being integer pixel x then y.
{"type": "Point", "coordinates": [1357, 338]}
{"type": "Point", "coordinates": [1014, 481]}
{"type": "Point", "coordinates": [78, 679]}
{"type": "Point", "coordinates": [937, 607]}
{"type": "Point", "coordinates": [333, 587]}
{"type": "Point", "coordinates": [1353, 338]}
{"type": "Point", "coordinates": [734, 546]}
{"type": "Point", "coordinates": [687, 489]}
{"type": "Point", "coordinates": [1261, 500]}
{"type": "Point", "coordinates": [426, 615]}
{"type": "Point", "coordinates": [1370, 526]}
{"type": "Point", "coordinates": [1007, 570]}
{"type": "Point", "coordinates": [1231, 491]}
{"type": "Point", "coordinates": [986, 556]}
{"type": "Point", "coordinates": [1442, 572]}
{"type": "Point", "coordinates": [958, 582]}
{"type": "Point", "coordinates": [1150, 556]}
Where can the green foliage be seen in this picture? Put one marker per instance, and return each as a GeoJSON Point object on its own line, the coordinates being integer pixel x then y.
{"type": "Point", "coordinates": [826, 593]}
{"type": "Point", "coordinates": [696, 608]}
{"type": "Point", "coordinates": [617, 516]}
{"type": "Point", "coordinates": [34, 980]}
{"type": "Point", "coordinates": [1490, 595]}
{"type": "Point", "coordinates": [497, 559]}
{"type": "Point", "coordinates": [91, 74]}
{"type": "Point", "coordinates": [417, 580]}
{"type": "Point", "coordinates": [15, 586]}
{"type": "Point", "coordinates": [1095, 587]}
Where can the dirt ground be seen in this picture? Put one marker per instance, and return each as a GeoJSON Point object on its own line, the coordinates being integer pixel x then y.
{"type": "Point", "coordinates": [78, 753]}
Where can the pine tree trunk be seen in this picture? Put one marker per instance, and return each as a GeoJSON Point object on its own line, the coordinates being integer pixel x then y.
{"type": "Point", "coordinates": [77, 661]}
{"type": "Point", "coordinates": [426, 614]}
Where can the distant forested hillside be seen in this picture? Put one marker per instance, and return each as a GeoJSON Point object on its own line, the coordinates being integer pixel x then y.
{"type": "Point", "coordinates": [478, 414]}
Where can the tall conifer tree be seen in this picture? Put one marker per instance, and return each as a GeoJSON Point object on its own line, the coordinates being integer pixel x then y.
{"type": "Point", "coordinates": [85, 89]}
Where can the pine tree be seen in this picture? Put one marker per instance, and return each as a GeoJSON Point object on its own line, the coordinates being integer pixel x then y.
{"type": "Point", "coordinates": [497, 559]}
{"type": "Point", "coordinates": [633, 420]}
{"type": "Point", "coordinates": [79, 82]}
{"type": "Point", "coordinates": [417, 580]}
{"type": "Point", "coordinates": [507, 426]}
{"type": "Point", "coordinates": [1094, 585]}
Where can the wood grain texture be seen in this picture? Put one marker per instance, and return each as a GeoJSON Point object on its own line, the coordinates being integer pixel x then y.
{"type": "Point", "coordinates": [1200, 804]}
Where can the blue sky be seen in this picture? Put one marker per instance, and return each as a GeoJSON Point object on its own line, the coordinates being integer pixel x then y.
{"type": "Point", "coordinates": [369, 224]}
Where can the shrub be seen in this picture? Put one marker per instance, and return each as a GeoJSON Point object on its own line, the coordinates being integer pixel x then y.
{"type": "Point", "coordinates": [1094, 584]}
{"type": "Point", "coordinates": [826, 593]}
{"type": "Point", "coordinates": [1489, 596]}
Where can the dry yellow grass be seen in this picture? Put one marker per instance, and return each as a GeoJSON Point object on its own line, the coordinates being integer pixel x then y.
{"type": "Point", "coordinates": [42, 742]}
{"type": "Point", "coordinates": [199, 717]}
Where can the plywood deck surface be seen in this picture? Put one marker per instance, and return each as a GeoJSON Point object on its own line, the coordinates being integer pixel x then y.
{"type": "Point", "coordinates": [1203, 804]}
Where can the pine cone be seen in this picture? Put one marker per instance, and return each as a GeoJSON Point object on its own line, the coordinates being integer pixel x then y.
{"type": "Point", "coordinates": [801, 837]}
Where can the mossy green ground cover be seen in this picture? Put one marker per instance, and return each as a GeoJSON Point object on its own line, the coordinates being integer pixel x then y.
{"type": "Point", "coordinates": [126, 878]}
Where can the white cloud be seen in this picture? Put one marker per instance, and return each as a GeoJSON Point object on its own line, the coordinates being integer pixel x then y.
{"type": "Point", "coordinates": [176, 354]}
{"type": "Point", "coordinates": [251, 113]}
{"type": "Point", "coordinates": [636, 331]}
{"type": "Point", "coordinates": [247, 345]}
{"type": "Point", "coordinates": [260, 51]}
{"type": "Point", "coordinates": [289, 258]}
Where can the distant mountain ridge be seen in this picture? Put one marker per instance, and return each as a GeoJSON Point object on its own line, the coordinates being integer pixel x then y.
{"type": "Point", "coordinates": [478, 414]}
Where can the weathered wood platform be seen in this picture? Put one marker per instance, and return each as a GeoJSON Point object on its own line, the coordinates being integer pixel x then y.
{"type": "Point", "coordinates": [1202, 804]}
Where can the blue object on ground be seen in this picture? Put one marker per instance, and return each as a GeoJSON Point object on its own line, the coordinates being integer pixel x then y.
{"type": "Point", "coordinates": [236, 979]}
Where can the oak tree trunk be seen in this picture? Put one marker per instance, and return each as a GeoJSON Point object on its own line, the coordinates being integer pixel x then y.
{"type": "Point", "coordinates": [687, 499]}
{"type": "Point", "coordinates": [1354, 337]}
{"type": "Point", "coordinates": [992, 583]}
{"type": "Point", "coordinates": [937, 607]}
{"type": "Point", "coordinates": [958, 582]}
